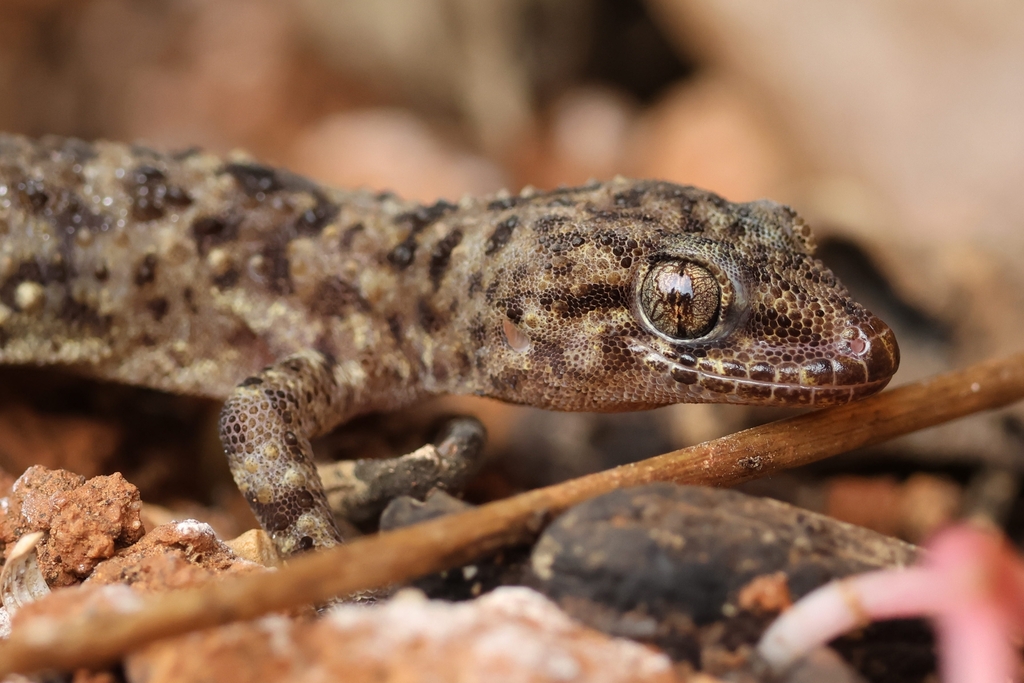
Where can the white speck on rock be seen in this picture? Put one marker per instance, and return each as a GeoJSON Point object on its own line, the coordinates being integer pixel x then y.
{"type": "Point", "coordinates": [193, 527]}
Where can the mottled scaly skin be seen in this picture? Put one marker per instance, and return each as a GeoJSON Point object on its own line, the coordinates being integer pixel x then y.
{"type": "Point", "coordinates": [190, 273]}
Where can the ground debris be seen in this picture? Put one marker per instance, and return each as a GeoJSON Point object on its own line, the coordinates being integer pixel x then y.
{"type": "Point", "coordinates": [170, 556]}
{"type": "Point", "coordinates": [513, 634]}
{"type": "Point", "coordinates": [86, 521]}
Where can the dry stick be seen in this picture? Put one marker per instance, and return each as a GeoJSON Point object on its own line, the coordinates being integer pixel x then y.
{"type": "Point", "coordinates": [400, 555]}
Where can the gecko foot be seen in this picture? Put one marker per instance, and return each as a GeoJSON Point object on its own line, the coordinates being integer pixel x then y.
{"type": "Point", "coordinates": [358, 490]}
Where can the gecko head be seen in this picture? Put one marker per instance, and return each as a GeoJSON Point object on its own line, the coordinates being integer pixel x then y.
{"type": "Point", "coordinates": [647, 293]}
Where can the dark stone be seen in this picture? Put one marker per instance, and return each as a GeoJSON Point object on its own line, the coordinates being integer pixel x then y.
{"type": "Point", "coordinates": [677, 557]}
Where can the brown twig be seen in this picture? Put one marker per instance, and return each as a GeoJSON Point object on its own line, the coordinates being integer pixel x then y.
{"type": "Point", "coordinates": [443, 543]}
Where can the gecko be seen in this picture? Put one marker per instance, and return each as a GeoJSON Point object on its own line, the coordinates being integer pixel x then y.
{"type": "Point", "coordinates": [301, 306]}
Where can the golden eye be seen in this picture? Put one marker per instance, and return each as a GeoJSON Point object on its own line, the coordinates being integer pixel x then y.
{"type": "Point", "coordinates": [681, 299]}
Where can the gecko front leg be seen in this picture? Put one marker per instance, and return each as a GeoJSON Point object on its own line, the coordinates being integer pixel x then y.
{"type": "Point", "coordinates": [266, 426]}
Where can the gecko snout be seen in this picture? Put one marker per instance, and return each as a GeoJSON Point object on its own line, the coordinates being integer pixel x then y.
{"type": "Point", "coordinates": [865, 358]}
{"type": "Point", "coordinates": [881, 357]}
{"type": "Point", "coordinates": [868, 357]}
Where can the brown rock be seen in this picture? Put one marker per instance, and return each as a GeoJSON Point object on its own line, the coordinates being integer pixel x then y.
{"type": "Point", "coordinates": [174, 555]}
{"type": "Point", "coordinates": [512, 634]}
{"type": "Point", "coordinates": [6, 483]}
{"type": "Point", "coordinates": [86, 521]}
{"type": "Point", "coordinates": [255, 546]}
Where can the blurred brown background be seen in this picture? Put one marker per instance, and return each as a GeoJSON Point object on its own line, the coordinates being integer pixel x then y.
{"type": "Point", "coordinates": [896, 127]}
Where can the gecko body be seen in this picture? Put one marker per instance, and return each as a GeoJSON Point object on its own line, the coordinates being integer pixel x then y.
{"type": "Point", "coordinates": [303, 306]}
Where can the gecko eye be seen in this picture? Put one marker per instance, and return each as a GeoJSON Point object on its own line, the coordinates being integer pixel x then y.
{"type": "Point", "coordinates": [681, 299]}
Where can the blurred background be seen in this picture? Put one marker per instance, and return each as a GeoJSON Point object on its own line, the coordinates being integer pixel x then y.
{"type": "Point", "coordinates": [895, 126]}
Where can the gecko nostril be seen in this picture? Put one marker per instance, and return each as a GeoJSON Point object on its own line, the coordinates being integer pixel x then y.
{"type": "Point", "coordinates": [858, 341]}
{"type": "Point", "coordinates": [859, 346]}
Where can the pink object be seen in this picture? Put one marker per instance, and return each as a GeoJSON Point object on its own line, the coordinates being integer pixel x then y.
{"type": "Point", "coordinates": [970, 583]}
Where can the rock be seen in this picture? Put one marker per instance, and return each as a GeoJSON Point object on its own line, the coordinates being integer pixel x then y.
{"type": "Point", "coordinates": [86, 521]}
{"type": "Point", "coordinates": [255, 546]}
{"type": "Point", "coordinates": [668, 548]}
{"type": "Point", "coordinates": [512, 634]}
{"type": "Point", "coordinates": [175, 555]}
{"type": "Point", "coordinates": [700, 572]}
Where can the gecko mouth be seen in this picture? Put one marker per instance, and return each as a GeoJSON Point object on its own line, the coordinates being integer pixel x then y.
{"type": "Point", "coordinates": [705, 386]}
{"type": "Point", "coordinates": [864, 368]}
